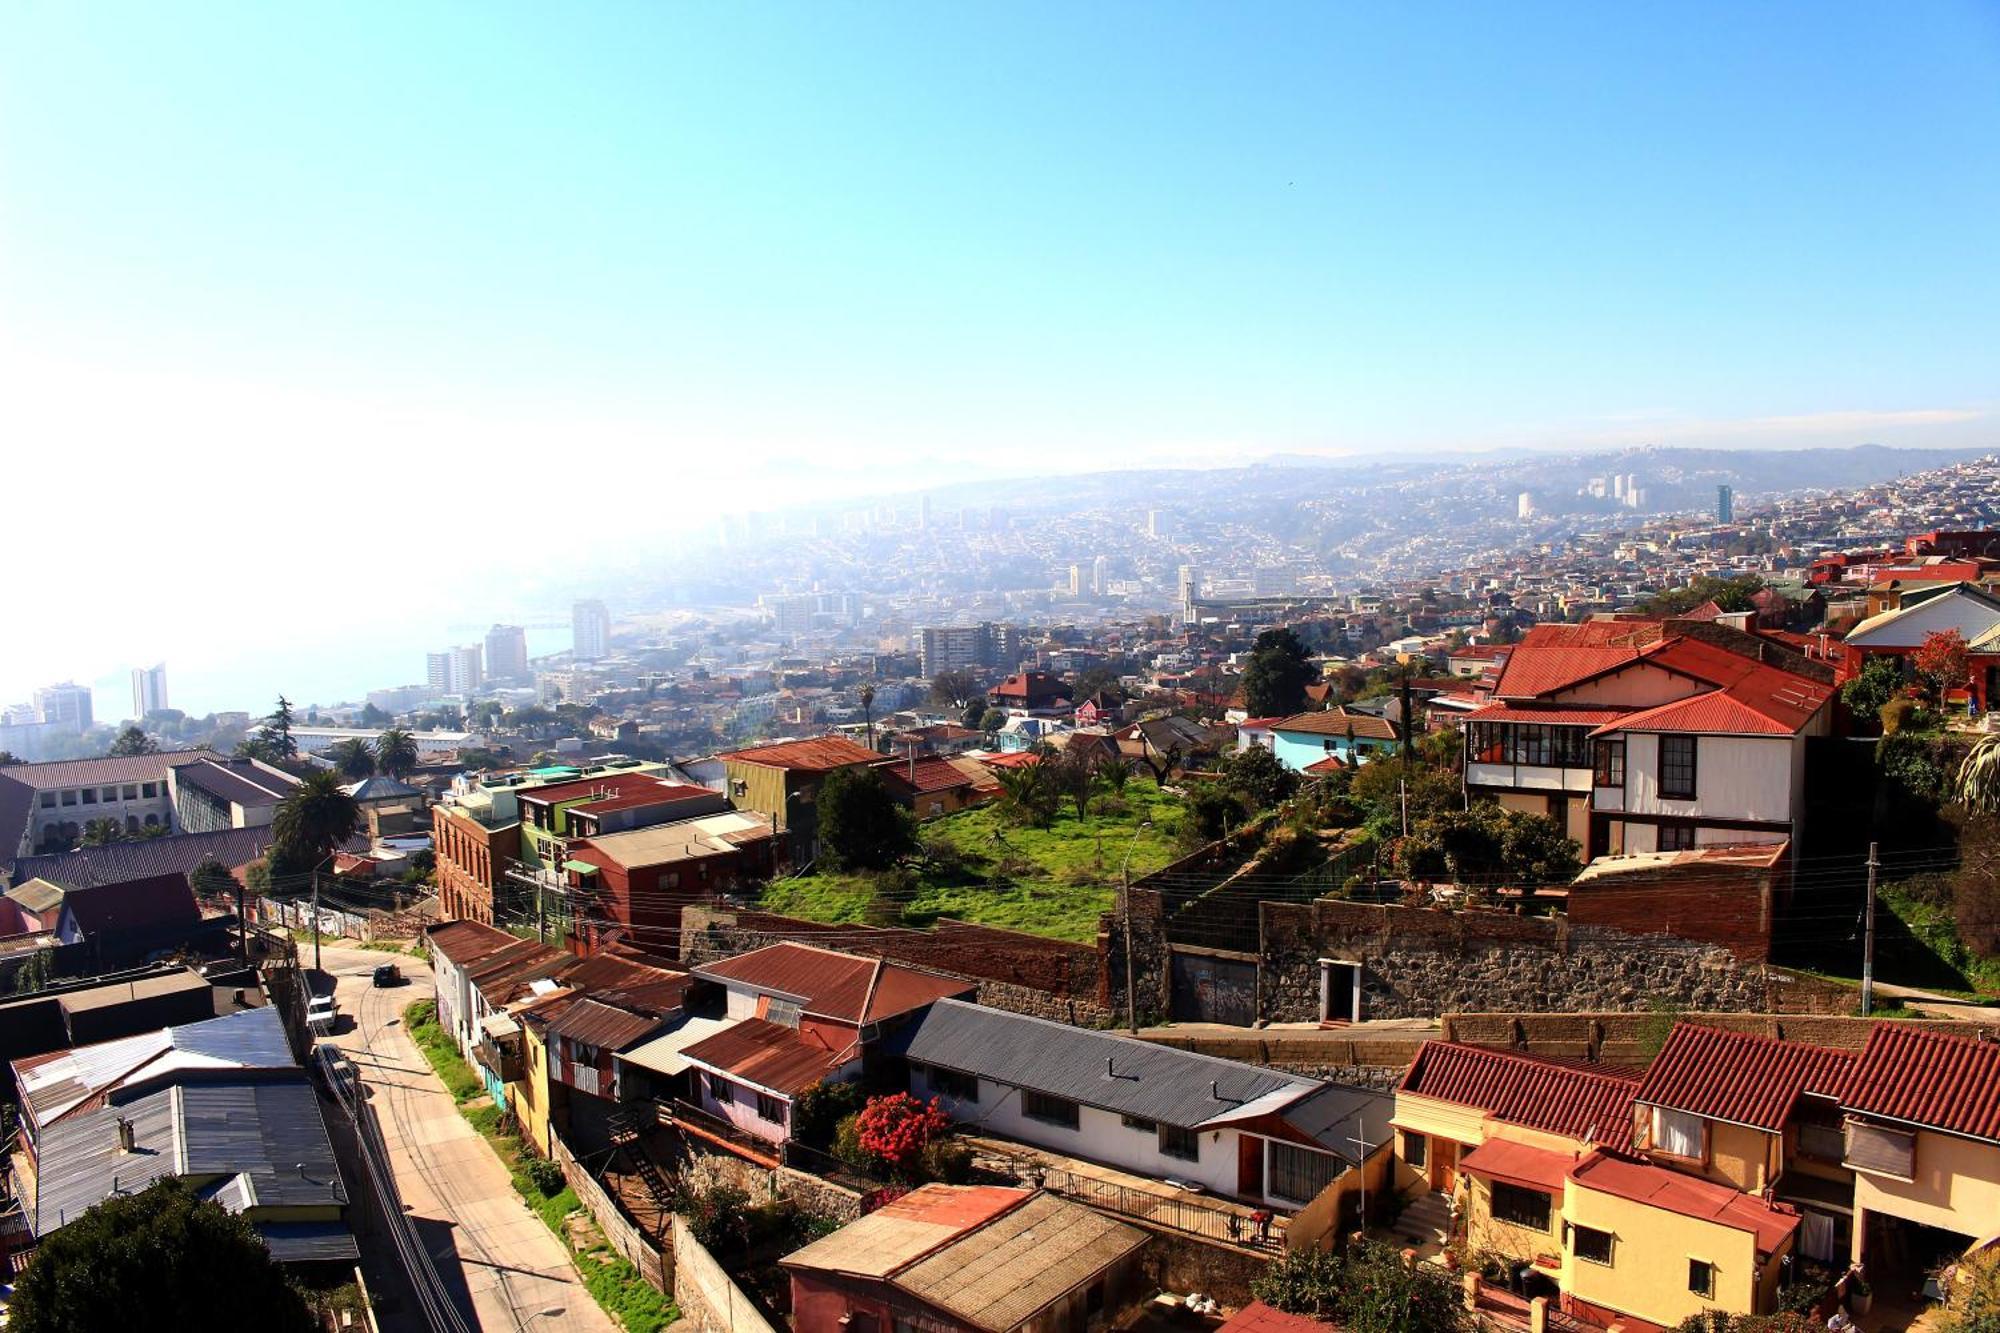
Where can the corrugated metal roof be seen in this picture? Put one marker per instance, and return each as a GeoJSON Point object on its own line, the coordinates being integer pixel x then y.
{"type": "Point", "coordinates": [835, 985]}
{"type": "Point", "coordinates": [308, 1242]}
{"type": "Point", "coordinates": [766, 1054]}
{"type": "Point", "coordinates": [260, 1143]}
{"type": "Point", "coordinates": [37, 895]}
{"type": "Point", "coordinates": [1927, 1078]}
{"type": "Point", "coordinates": [1739, 1077]}
{"type": "Point", "coordinates": [906, 1229]}
{"type": "Point", "coordinates": [817, 755]}
{"type": "Point", "coordinates": [663, 1055]}
{"type": "Point", "coordinates": [1526, 1090]}
{"type": "Point", "coordinates": [1113, 1073]}
{"type": "Point", "coordinates": [592, 1023]}
{"type": "Point", "coordinates": [1000, 1275]}
{"type": "Point", "coordinates": [64, 1082]}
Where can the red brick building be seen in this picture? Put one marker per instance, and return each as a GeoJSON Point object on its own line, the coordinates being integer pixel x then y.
{"type": "Point", "coordinates": [642, 878]}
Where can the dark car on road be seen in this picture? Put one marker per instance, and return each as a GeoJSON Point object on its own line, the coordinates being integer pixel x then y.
{"type": "Point", "coordinates": [388, 974]}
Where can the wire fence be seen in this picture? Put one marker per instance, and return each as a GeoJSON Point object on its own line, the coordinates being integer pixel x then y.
{"type": "Point", "coordinates": [1193, 1214]}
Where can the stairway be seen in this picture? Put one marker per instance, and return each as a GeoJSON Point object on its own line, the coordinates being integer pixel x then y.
{"type": "Point", "coordinates": [1427, 1221]}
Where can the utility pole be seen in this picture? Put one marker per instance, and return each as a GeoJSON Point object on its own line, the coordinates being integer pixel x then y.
{"type": "Point", "coordinates": [1868, 940]}
{"type": "Point", "coordinates": [1360, 1140]}
{"type": "Point", "coordinates": [315, 920]}
{"type": "Point", "coordinates": [1408, 730]}
{"type": "Point", "coordinates": [1125, 908]}
{"type": "Point", "coordinates": [243, 919]}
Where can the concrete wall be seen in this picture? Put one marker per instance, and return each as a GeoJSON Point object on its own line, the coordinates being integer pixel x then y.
{"type": "Point", "coordinates": [639, 1249]}
{"type": "Point", "coordinates": [709, 1301]}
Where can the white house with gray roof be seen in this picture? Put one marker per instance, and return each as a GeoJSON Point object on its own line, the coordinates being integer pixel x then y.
{"type": "Point", "coordinates": [1234, 1129]}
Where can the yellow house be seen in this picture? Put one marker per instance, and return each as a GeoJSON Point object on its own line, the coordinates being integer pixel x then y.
{"type": "Point", "coordinates": [1659, 1245]}
{"type": "Point", "coordinates": [1756, 1114]}
{"type": "Point", "coordinates": [1495, 1132]}
{"type": "Point", "coordinates": [1923, 1140]}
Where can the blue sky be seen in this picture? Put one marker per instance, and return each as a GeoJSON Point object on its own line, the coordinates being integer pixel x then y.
{"type": "Point", "coordinates": [786, 251]}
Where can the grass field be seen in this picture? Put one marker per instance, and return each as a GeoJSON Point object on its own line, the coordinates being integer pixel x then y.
{"type": "Point", "coordinates": [1055, 881]}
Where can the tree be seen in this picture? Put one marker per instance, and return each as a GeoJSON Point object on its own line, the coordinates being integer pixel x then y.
{"type": "Point", "coordinates": [1942, 663]}
{"type": "Point", "coordinates": [1878, 682]}
{"type": "Point", "coordinates": [860, 825]}
{"type": "Point", "coordinates": [1073, 773]}
{"type": "Point", "coordinates": [276, 733]}
{"type": "Point", "coordinates": [1028, 796]}
{"type": "Point", "coordinates": [1257, 776]}
{"type": "Point", "coordinates": [978, 717]}
{"type": "Point", "coordinates": [1728, 594]}
{"type": "Point", "coordinates": [211, 879]}
{"type": "Point", "coordinates": [896, 1129]}
{"type": "Point", "coordinates": [372, 717]}
{"type": "Point", "coordinates": [1369, 1289]}
{"type": "Point", "coordinates": [956, 688]}
{"type": "Point", "coordinates": [868, 712]}
{"type": "Point", "coordinates": [1489, 845]}
{"type": "Point", "coordinates": [396, 753]}
{"type": "Point", "coordinates": [133, 741]}
{"type": "Point", "coordinates": [102, 832]}
{"type": "Point", "coordinates": [1975, 1295]}
{"type": "Point", "coordinates": [161, 1251]}
{"type": "Point", "coordinates": [8, 759]}
{"type": "Point", "coordinates": [1276, 676]}
{"type": "Point", "coordinates": [353, 759]}
{"type": "Point", "coordinates": [312, 822]}
{"type": "Point", "coordinates": [1721, 1321]}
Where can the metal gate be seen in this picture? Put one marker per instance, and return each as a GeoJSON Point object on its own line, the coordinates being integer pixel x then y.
{"type": "Point", "coordinates": [1207, 989]}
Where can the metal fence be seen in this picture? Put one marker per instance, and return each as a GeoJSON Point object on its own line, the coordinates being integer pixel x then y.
{"type": "Point", "coordinates": [1187, 1213]}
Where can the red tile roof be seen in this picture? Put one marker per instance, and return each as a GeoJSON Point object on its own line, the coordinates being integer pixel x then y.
{"type": "Point", "coordinates": [1928, 1078]}
{"type": "Point", "coordinates": [767, 1054]}
{"type": "Point", "coordinates": [1689, 1196]}
{"type": "Point", "coordinates": [1519, 1164]}
{"type": "Point", "coordinates": [1741, 1078]}
{"type": "Point", "coordinates": [468, 942]}
{"type": "Point", "coordinates": [1558, 1096]}
{"type": "Point", "coordinates": [819, 754]}
{"type": "Point", "coordinates": [932, 774]}
{"type": "Point", "coordinates": [1330, 764]}
{"type": "Point", "coordinates": [1337, 722]}
{"type": "Point", "coordinates": [840, 986]}
{"type": "Point", "coordinates": [1550, 657]}
{"type": "Point", "coordinates": [1554, 715]}
{"type": "Point", "coordinates": [1766, 702]}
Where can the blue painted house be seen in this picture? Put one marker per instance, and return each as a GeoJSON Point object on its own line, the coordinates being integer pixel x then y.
{"type": "Point", "coordinates": [1305, 739]}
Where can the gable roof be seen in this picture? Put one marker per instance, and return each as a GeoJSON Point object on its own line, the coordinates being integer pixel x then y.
{"type": "Point", "coordinates": [1551, 657]}
{"type": "Point", "coordinates": [1930, 1079]}
{"type": "Point", "coordinates": [906, 1229]}
{"type": "Point", "coordinates": [839, 986]}
{"type": "Point", "coordinates": [1136, 1078]}
{"type": "Point", "coordinates": [1763, 702]}
{"type": "Point", "coordinates": [1740, 1077]}
{"type": "Point", "coordinates": [932, 774]}
{"type": "Point", "coordinates": [182, 852]}
{"type": "Point", "coordinates": [1338, 722]}
{"type": "Point", "coordinates": [1000, 1275]}
{"type": "Point", "coordinates": [36, 895]}
{"type": "Point", "coordinates": [62, 1083]}
{"type": "Point", "coordinates": [1560, 1096]}
{"type": "Point", "coordinates": [820, 754]}
{"type": "Point", "coordinates": [133, 904]}
{"type": "Point", "coordinates": [1966, 607]}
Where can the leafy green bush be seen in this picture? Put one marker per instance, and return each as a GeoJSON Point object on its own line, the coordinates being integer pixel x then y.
{"type": "Point", "coordinates": [1367, 1290]}
{"type": "Point", "coordinates": [546, 1176]}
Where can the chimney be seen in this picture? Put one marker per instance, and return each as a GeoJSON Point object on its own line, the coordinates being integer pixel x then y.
{"type": "Point", "coordinates": [127, 1140]}
{"type": "Point", "coordinates": [1108, 1072]}
{"type": "Point", "coordinates": [1214, 1090]}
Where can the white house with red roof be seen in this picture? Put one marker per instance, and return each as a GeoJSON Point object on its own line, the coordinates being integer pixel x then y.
{"type": "Point", "coordinates": [1651, 735]}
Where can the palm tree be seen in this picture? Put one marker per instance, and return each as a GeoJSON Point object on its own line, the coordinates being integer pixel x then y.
{"type": "Point", "coordinates": [99, 832]}
{"type": "Point", "coordinates": [353, 759]}
{"type": "Point", "coordinates": [868, 712]}
{"type": "Point", "coordinates": [312, 822]}
{"type": "Point", "coordinates": [396, 752]}
{"type": "Point", "coordinates": [1979, 775]}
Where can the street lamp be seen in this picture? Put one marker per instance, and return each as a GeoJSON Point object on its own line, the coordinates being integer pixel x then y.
{"type": "Point", "coordinates": [1125, 900]}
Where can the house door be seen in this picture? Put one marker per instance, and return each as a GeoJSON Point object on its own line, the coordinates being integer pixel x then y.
{"type": "Point", "coordinates": [1444, 1165]}
{"type": "Point", "coordinates": [1250, 1166]}
{"type": "Point", "coordinates": [1339, 991]}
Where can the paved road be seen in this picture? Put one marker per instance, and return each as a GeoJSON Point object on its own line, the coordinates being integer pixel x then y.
{"type": "Point", "coordinates": [486, 1242]}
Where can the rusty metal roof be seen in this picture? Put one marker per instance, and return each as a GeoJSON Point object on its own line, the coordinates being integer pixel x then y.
{"type": "Point", "coordinates": [766, 1054]}
{"type": "Point", "coordinates": [590, 1022]}
{"type": "Point", "coordinates": [1002, 1274]}
{"type": "Point", "coordinates": [834, 985]}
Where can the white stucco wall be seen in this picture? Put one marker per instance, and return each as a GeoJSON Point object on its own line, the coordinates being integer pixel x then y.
{"type": "Point", "coordinates": [1736, 777]}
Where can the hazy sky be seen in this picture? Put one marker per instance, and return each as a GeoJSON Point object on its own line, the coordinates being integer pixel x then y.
{"type": "Point", "coordinates": [283, 285]}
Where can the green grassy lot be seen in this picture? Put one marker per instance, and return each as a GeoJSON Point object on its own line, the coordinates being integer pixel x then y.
{"type": "Point", "coordinates": [610, 1279]}
{"type": "Point", "coordinates": [1053, 881]}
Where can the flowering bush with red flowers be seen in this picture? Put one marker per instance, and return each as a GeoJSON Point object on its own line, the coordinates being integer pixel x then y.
{"type": "Point", "coordinates": [896, 1129]}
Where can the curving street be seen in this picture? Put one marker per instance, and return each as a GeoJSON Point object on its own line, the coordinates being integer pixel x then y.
{"type": "Point", "coordinates": [506, 1271]}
